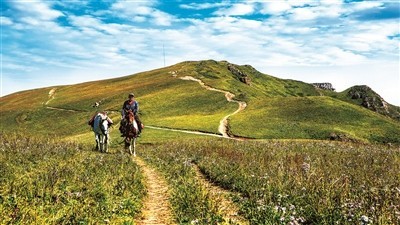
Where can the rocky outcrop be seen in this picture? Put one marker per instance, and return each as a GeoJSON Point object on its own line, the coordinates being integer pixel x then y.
{"type": "Point", "coordinates": [341, 137]}
{"type": "Point", "coordinates": [242, 77]}
{"type": "Point", "coordinates": [371, 100]}
{"type": "Point", "coordinates": [324, 86]}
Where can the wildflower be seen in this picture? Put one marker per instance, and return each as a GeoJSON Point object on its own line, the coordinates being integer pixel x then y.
{"type": "Point", "coordinates": [305, 167]}
{"type": "Point", "coordinates": [196, 221]}
{"type": "Point", "coordinates": [364, 220]}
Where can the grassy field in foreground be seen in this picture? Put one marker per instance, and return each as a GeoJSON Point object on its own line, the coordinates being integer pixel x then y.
{"type": "Point", "coordinates": [291, 182]}
{"type": "Point", "coordinates": [46, 181]}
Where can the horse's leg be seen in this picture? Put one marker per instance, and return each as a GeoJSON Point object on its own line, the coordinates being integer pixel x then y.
{"type": "Point", "coordinates": [101, 143]}
{"type": "Point", "coordinates": [106, 143]}
{"type": "Point", "coordinates": [97, 141]}
{"type": "Point", "coordinates": [130, 147]}
{"type": "Point", "coordinates": [134, 147]}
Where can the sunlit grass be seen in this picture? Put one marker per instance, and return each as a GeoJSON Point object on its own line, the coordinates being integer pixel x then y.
{"type": "Point", "coordinates": [299, 182]}
{"type": "Point", "coordinates": [46, 181]}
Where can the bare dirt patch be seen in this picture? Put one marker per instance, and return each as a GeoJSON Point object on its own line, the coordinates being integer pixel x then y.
{"type": "Point", "coordinates": [156, 208]}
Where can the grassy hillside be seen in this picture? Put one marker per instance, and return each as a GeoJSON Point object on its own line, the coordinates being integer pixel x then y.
{"type": "Point", "coordinates": [315, 117]}
{"type": "Point", "coordinates": [277, 108]}
{"type": "Point", "coordinates": [364, 96]}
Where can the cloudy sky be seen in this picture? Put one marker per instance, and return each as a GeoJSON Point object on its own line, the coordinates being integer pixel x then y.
{"type": "Point", "coordinates": [63, 42]}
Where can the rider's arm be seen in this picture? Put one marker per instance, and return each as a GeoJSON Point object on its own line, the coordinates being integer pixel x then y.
{"type": "Point", "coordinates": [123, 110]}
{"type": "Point", "coordinates": [137, 107]}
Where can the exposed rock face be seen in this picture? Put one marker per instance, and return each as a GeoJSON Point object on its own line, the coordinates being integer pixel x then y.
{"type": "Point", "coordinates": [370, 99]}
{"type": "Point", "coordinates": [244, 78]}
{"type": "Point", "coordinates": [324, 86]}
{"type": "Point", "coordinates": [341, 137]}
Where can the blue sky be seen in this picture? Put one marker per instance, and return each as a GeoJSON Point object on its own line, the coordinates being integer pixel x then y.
{"type": "Point", "coordinates": [64, 42]}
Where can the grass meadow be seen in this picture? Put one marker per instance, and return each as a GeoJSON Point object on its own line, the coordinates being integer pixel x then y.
{"type": "Point", "coordinates": [285, 182]}
{"type": "Point", "coordinates": [47, 181]}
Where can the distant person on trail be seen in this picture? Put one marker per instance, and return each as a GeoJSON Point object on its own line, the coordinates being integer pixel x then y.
{"type": "Point", "coordinates": [131, 105]}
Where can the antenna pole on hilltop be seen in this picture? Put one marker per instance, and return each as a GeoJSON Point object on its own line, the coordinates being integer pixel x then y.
{"type": "Point", "coordinates": [163, 53]}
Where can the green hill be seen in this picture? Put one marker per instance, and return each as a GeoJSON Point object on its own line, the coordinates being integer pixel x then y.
{"type": "Point", "coordinates": [276, 108]}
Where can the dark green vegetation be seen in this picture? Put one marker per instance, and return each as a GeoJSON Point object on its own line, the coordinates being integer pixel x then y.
{"type": "Point", "coordinates": [277, 108]}
{"type": "Point", "coordinates": [280, 182]}
{"type": "Point", "coordinates": [45, 181]}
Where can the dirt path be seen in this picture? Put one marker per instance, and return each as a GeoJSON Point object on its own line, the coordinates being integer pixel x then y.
{"type": "Point", "coordinates": [52, 92]}
{"type": "Point", "coordinates": [156, 208]}
{"type": "Point", "coordinates": [228, 209]}
{"type": "Point", "coordinates": [62, 109]}
{"type": "Point", "coordinates": [223, 124]}
{"type": "Point", "coordinates": [184, 131]}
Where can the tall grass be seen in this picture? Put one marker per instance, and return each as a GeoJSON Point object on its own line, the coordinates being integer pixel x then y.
{"type": "Point", "coordinates": [299, 182]}
{"type": "Point", "coordinates": [45, 181]}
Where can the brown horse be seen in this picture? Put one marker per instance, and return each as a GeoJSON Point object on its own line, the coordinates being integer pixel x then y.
{"type": "Point", "coordinates": [131, 132]}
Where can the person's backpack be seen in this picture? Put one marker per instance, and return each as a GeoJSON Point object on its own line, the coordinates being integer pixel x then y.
{"type": "Point", "coordinates": [91, 121]}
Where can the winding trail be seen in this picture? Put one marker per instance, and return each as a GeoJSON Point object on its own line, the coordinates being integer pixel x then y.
{"type": "Point", "coordinates": [52, 92]}
{"type": "Point", "coordinates": [184, 131]}
{"type": "Point", "coordinates": [156, 207]}
{"type": "Point", "coordinates": [228, 209]}
{"type": "Point", "coordinates": [63, 109]}
{"type": "Point", "coordinates": [223, 124]}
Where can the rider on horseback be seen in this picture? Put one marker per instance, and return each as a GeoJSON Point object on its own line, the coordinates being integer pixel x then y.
{"type": "Point", "coordinates": [132, 105]}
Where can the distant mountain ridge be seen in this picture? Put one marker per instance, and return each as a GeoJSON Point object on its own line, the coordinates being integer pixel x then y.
{"type": "Point", "coordinates": [276, 108]}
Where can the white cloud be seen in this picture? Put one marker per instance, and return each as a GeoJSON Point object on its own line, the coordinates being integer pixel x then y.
{"type": "Point", "coordinates": [5, 21]}
{"type": "Point", "coordinates": [238, 9]}
{"type": "Point", "coordinates": [162, 19]}
{"type": "Point", "coordinates": [38, 9]}
{"type": "Point", "coordinates": [200, 6]}
{"type": "Point", "coordinates": [93, 47]}
{"type": "Point", "coordinates": [338, 56]}
{"type": "Point", "coordinates": [275, 7]}
{"type": "Point", "coordinates": [358, 6]}
{"type": "Point", "coordinates": [304, 14]}
{"type": "Point", "coordinates": [141, 11]}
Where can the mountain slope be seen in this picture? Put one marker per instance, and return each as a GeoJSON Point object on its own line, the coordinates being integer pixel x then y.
{"type": "Point", "coordinates": [276, 108]}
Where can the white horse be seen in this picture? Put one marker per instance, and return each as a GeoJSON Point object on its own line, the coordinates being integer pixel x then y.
{"type": "Point", "coordinates": [101, 125]}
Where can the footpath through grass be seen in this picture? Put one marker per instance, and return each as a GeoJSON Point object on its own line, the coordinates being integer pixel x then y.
{"type": "Point", "coordinates": [45, 181]}
{"type": "Point", "coordinates": [190, 201]}
{"type": "Point", "coordinates": [285, 182]}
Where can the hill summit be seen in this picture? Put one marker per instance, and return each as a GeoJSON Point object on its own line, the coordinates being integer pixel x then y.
{"type": "Point", "coordinates": [202, 95]}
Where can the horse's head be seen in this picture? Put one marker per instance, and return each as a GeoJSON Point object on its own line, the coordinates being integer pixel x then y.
{"type": "Point", "coordinates": [104, 125]}
{"type": "Point", "coordinates": [131, 117]}
{"type": "Point", "coordinates": [101, 124]}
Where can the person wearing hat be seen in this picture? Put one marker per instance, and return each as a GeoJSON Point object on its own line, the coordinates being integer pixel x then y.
{"type": "Point", "coordinates": [132, 105]}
